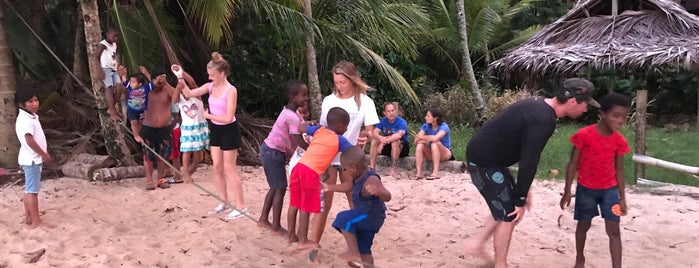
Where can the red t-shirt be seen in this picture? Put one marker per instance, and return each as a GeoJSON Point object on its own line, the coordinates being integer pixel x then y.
{"type": "Point", "coordinates": [596, 168]}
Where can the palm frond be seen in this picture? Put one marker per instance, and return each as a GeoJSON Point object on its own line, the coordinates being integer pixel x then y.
{"type": "Point", "coordinates": [215, 17]}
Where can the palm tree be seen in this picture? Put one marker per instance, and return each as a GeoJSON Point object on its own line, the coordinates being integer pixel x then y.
{"type": "Point", "coordinates": [112, 131]}
{"type": "Point", "coordinates": [9, 146]}
{"type": "Point", "coordinates": [467, 67]}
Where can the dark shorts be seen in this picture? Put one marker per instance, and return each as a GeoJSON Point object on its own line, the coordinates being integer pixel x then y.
{"type": "Point", "coordinates": [225, 136]}
{"type": "Point", "coordinates": [358, 223]}
{"type": "Point", "coordinates": [496, 185]}
{"type": "Point", "coordinates": [274, 163]}
{"type": "Point", "coordinates": [158, 139]}
{"type": "Point", "coordinates": [134, 115]}
{"type": "Point", "coordinates": [589, 203]}
{"type": "Point", "coordinates": [404, 151]}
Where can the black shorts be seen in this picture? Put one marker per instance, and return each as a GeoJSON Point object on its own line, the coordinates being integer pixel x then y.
{"type": "Point", "coordinates": [496, 185]}
{"type": "Point", "coordinates": [134, 115]}
{"type": "Point", "coordinates": [158, 139]}
{"type": "Point", "coordinates": [404, 151]}
{"type": "Point", "coordinates": [225, 136]}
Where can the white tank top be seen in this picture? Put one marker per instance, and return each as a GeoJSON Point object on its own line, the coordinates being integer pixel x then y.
{"type": "Point", "coordinates": [108, 57]}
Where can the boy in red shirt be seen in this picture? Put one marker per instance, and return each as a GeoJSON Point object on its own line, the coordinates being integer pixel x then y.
{"type": "Point", "coordinates": [598, 157]}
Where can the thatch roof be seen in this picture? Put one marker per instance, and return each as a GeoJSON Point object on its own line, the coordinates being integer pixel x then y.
{"type": "Point", "coordinates": [646, 36]}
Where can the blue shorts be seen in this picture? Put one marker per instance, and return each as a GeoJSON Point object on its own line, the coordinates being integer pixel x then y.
{"type": "Point", "coordinates": [111, 78]}
{"type": "Point", "coordinates": [274, 165]}
{"type": "Point", "coordinates": [32, 175]}
{"type": "Point", "coordinates": [587, 202]}
{"type": "Point", "coordinates": [358, 223]}
{"type": "Point", "coordinates": [496, 185]}
{"type": "Point", "coordinates": [132, 115]}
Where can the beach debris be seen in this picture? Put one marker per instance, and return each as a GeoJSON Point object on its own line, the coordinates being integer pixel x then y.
{"type": "Point", "coordinates": [398, 208]}
{"type": "Point", "coordinates": [34, 256]}
{"type": "Point", "coordinates": [677, 244]}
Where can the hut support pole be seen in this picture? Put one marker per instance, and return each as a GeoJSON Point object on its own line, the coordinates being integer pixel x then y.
{"type": "Point", "coordinates": [640, 144]}
{"type": "Point", "coordinates": [615, 8]}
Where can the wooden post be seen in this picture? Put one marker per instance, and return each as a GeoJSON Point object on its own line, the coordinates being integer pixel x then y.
{"type": "Point", "coordinates": [615, 8]}
{"type": "Point", "coordinates": [640, 147]}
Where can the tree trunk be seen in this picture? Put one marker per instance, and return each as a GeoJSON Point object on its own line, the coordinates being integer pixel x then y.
{"type": "Point", "coordinates": [171, 56]}
{"type": "Point", "coordinates": [640, 143]}
{"type": "Point", "coordinates": [111, 130]}
{"type": "Point", "coordinates": [466, 66]}
{"type": "Point", "coordinates": [99, 160]}
{"type": "Point", "coordinates": [313, 83]}
{"type": "Point", "coordinates": [79, 61]}
{"type": "Point", "coordinates": [79, 170]}
{"type": "Point", "coordinates": [118, 173]}
{"type": "Point", "coordinates": [9, 145]}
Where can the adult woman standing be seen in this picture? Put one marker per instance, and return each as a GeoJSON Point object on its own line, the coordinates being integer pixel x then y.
{"type": "Point", "coordinates": [225, 132]}
{"type": "Point", "coordinates": [349, 94]}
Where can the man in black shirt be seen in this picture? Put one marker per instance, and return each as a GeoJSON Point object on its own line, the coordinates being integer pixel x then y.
{"type": "Point", "coordinates": [516, 135]}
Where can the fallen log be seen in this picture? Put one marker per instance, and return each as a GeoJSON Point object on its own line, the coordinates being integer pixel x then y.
{"type": "Point", "coordinates": [79, 170]}
{"type": "Point", "coordinates": [408, 163]}
{"type": "Point", "coordinates": [118, 173]}
{"type": "Point", "coordinates": [98, 160]}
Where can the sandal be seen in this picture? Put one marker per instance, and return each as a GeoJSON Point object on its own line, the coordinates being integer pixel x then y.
{"type": "Point", "coordinates": [163, 184]}
{"type": "Point", "coordinates": [432, 177]}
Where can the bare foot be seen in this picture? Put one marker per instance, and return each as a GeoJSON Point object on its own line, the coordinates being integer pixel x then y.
{"type": "Point", "coordinates": [44, 225]}
{"type": "Point", "coordinates": [279, 231]}
{"type": "Point", "coordinates": [28, 220]}
{"type": "Point", "coordinates": [264, 224]}
{"type": "Point", "coordinates": [187, 179]}
{"type": "Point", "coordinates": [392, 171]}
{"type": "Point", "coordinates": [477, 251]}
{"type": "Point", "coordinates": [580, 262]}
{"type": "Point", "coordinates": [308, 244]}
{"type": "Point", "coordinates": [349, 256]}
{"type": "Point", "coordinates": [292, 238]}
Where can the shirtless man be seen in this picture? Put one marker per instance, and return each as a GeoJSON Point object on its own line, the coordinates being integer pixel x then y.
{"type": "Point", "coordinates": [156, 131]}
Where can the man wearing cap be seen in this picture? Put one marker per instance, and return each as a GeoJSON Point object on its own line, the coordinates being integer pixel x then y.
{"type": "Point", "coordinates": [156, 131]}
{"type": "Point", "coordinates": [516, 135]}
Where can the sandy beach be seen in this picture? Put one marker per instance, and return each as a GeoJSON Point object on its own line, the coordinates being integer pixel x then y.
{"type": "Point", "coordinates": [118, 224]}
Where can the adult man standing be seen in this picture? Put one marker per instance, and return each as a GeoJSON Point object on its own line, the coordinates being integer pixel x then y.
{"type": "Point", "coordinates": [516, 135]}
{"type": "Point", "coordinates": [390, 137]}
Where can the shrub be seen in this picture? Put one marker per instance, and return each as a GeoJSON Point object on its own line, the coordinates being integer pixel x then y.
{"type": "Point", "coordinates": [458, 108]}
{"type": "Point", "coordinates": [498, 103]}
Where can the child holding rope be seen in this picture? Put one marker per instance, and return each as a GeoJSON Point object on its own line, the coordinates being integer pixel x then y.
{"type": "Point", "coordinates": [276, 150]}
{"type": "Point", "coordinates": [360, 224]}
{"type": "Point", "coordinates": [598, 157]}
{"type": "Point", "coordinates": [194, 130]}
{"type": "Point", "coordinates": [304, 184]}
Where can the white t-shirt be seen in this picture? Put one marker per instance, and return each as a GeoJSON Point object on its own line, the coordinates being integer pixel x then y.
{"type": "Point", "coordinates": [359, 116]}
{"type": "Point", "coordinates": [29, 124]}
{"type": "Point", "coordinates": [108, 57]}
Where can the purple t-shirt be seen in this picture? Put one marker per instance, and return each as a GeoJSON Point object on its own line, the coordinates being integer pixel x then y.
{"type": "Point", "coordinates": [280, 137]}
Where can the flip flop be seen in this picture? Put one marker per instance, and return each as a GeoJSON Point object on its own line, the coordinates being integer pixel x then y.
{"type": "Point", "coordinates": [163, 184]}
{"type": "Point", "coordinates": [313, 254]}
{"type": "Point", "coordinates": [432, 177]}
{"type": "Point", "coordinates": [174, 180]}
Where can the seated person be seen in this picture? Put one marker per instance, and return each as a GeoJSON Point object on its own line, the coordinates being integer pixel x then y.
{"type": "Point", "coordinates": [391, 130]}
{"type": "Point", "coordinates": [433, 142]}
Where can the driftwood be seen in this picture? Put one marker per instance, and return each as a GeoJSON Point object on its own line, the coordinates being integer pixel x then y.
{"type": "Point", "coordinates": [118, 173]}
{"type": "Point", "coordinates": [84, 165]}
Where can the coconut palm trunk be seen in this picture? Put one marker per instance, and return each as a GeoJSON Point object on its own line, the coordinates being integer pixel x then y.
{"type": "Point", "coordinates": [313, 82]}
{"type": "Point", "coordinates": [112, 131]}
{"type": "Point", "coordinates": [466, 66]}
{"type": "Point", "coordinates": [171, 56]}
{"type": "Point", "coordinates": [9, 146]}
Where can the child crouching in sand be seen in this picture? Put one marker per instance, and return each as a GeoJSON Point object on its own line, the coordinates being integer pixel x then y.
{"type": "Point", "coordinates": [359, 225]}
{"type": "Point", "coordinates": [304, 185]}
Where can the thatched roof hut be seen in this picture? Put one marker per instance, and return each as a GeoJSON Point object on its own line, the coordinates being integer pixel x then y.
{"type": "Point", "coordinates": [639, 36]}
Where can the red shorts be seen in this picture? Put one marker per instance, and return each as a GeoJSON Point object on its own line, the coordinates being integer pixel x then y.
{"type": "Point", "coordinates": [305, 189]}
{"type": "Point", "coordinates": [175, 143]}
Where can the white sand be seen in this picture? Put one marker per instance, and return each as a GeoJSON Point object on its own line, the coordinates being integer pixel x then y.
{"type": "Point", "coordinates": [118, 224]}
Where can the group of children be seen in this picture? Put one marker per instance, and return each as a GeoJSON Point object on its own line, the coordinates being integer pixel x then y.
{"type": "Point", "coordinates": [309, 148]}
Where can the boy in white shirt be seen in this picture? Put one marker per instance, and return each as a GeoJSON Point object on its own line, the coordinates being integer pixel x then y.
{"type": "Point", "coordinates": [32, 153]}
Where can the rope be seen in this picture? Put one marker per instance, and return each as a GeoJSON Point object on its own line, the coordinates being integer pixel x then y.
{"type": "Point", "coordinates": [312, 255]}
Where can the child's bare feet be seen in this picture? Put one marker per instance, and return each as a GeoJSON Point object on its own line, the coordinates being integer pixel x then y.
{"type": "Point", "coordinates": [307, 244]}
{"type": "Point", "coordinates": [392, 171]}
{"type": "Point", "coordinates": [42, 224]}
{"type": "Point", "coordinates": [292, 238]}
{"type": "Point", "coordinates": [28, 220]}
{"type": "Point", "coordinates": [278, 231]}
{"type": "Point", "coordinates": [264, 224]}
{"type": "Point", "coordinates": [579, 261]}
{"type": "Point", "coordinates": [349, 256]}
{"type": "Point", "coordinates": [477, 251]}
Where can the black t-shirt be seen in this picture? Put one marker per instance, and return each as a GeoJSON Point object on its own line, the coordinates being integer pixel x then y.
{"type": "Point", "coordinates": [517, 134]}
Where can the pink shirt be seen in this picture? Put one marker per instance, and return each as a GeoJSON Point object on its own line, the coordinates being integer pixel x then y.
{"type": "Point", "coordinates": [217, 106]}
{"type": "Point", "coordinates": [280, 137]}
